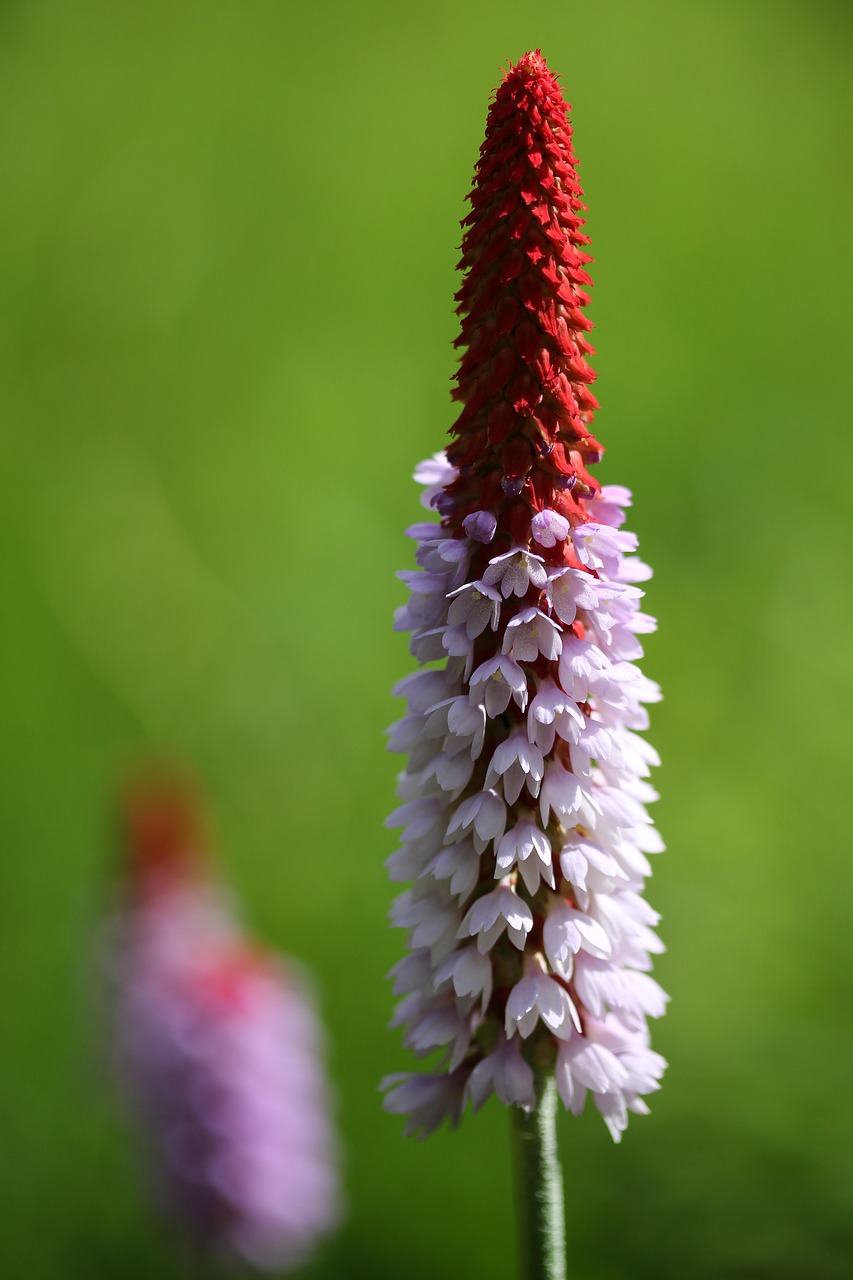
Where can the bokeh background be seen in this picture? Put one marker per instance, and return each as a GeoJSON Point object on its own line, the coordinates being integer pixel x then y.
{"type": "Point", "coordinates": [228, 237]}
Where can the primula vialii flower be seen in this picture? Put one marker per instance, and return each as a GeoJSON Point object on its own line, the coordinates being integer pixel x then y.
{"type": "Point", "coordinates": [525, 829]}
{"type": "Point", "coordinates": [218, 1050]}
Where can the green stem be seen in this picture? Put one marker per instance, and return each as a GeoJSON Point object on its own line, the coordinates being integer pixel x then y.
{"type": "Point", "coordinates": [539, 1186]}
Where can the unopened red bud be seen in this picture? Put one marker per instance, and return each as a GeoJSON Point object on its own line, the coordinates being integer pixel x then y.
{"type": "Point", "coordinates": [516, 457]}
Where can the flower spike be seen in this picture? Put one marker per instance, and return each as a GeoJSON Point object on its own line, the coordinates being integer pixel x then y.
{"type": "Point", "coordinates": [525, 830]}
{"type": "Point", "coordinates": [218, 1048]}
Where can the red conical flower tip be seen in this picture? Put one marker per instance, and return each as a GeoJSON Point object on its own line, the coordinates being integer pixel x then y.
{"type": "Point", "coordinates": [164, 832]}
{"type": "Point", "coordinates": [523, 436]}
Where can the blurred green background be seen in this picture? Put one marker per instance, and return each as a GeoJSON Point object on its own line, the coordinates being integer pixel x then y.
{"type": "Point", "coordinates": [227, 245]}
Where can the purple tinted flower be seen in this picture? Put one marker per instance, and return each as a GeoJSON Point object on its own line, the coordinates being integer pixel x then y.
{"type": "Point", "coordinates": [480, 526]}
{"type": "Point", "coordinates": [218, 1049]}
{"type": "Point", "coordinates": [549, 527]}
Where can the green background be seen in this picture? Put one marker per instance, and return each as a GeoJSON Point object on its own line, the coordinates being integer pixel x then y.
{"type": "Point", "coordinates": [227, 251]}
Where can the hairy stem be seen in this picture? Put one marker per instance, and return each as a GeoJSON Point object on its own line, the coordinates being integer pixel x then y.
{"type": "Point", "coordinates": [539, 1186]}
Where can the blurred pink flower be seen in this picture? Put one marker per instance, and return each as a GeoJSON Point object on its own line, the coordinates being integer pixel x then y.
{"type": "Point", "coordinates": [219, 1051]}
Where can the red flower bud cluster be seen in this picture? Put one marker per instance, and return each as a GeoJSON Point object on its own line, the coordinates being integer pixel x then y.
{"type": "Point", "coordinates": [523, 439]}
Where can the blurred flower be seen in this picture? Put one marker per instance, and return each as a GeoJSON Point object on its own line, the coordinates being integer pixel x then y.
{"type": "Point", "coordinates": [218, 1049]}
{"type": "Point", "coordinates": [525, 827]}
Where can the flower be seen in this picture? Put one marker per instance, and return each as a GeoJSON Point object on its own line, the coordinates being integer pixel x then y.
{"type": "Point", "coordinates": [525, 766]}
{"type": "Point", "coordinates": [218, 1049]}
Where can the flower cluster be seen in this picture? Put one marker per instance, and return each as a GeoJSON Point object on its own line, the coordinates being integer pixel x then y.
{"type": "Point", "coordinates": [525, 829]}
{"type": "Point", "coordinates": [217, 1046]}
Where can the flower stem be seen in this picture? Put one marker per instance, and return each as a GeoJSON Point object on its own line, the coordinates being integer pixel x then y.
{"type": "Point", "coordinates": [539, 1186]}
